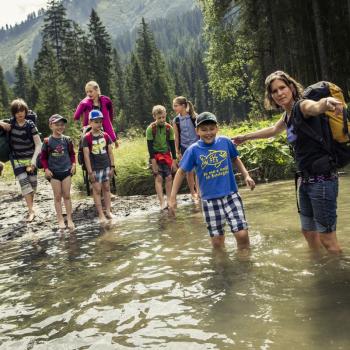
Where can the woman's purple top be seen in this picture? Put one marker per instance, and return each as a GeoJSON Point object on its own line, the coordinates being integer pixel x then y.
{"type": "Point", "coordinates": [86, 105]}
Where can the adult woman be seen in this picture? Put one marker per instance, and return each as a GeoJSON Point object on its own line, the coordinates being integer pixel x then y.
{"type": "Point", "coordinates": [318, 180]}
{"type": "Point", "coordinates": [94, 100]}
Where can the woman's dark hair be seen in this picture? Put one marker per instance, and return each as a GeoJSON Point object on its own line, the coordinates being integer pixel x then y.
{"type": "Point", "coordinates": [18, 105]}
{"type": "Point", "coordinates": [296, 88]}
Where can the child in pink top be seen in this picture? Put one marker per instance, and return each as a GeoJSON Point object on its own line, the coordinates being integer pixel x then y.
{"type": "Point", "coordinates": [94, 100]}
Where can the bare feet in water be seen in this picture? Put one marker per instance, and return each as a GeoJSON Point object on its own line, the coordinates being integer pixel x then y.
{"type": "Point", "coordinates": [31, 216]}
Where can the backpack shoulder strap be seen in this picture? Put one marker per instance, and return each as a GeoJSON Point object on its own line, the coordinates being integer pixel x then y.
{"type": "Point", "coordinates": [167, 131]}
{"type": "Point", "coordinates": [154, 129]}
{"type": "Point", "coordinates": [88, 136]}
{"type": "Point", "coordinates": [299, 124]}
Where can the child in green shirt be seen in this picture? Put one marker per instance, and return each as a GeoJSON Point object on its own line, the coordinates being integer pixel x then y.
{"type": "Point", "coordinates": [161, 148]}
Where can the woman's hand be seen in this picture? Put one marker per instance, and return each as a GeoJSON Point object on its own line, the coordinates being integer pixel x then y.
{"type": "Point", "coordinates": [334, 105]}
{"type": "Point", "coordinates": [239, 139]}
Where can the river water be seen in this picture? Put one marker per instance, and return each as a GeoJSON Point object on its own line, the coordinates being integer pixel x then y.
{"type": "Point", "coordinates": [153, 282]}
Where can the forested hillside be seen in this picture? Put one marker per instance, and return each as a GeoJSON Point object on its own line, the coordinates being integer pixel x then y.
{"type": "Point", "coordinates": [118, 17]}
{"type": "Point", "coordinates": [148, 65]}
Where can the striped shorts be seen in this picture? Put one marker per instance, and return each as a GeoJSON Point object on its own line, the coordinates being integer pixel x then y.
{"type": "Point", "coordinates": [27, 182]}
{"type": "Point", "coordinates": [218, 211]}
{"type": "Point", "coordinates": [102, 175]}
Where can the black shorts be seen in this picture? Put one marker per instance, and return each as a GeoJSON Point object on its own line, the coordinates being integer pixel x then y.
{"type": "Point", "coordinates": [163, 170]}
{"type": "Point", "coordinates": [60, 175]}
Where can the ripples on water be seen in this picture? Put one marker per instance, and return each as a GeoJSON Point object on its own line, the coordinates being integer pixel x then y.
{"type": "Point", "coordinates": [155, 283]}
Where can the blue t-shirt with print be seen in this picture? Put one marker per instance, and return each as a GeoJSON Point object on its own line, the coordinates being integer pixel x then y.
{"type": "Point", "coordinates": [213, 164]}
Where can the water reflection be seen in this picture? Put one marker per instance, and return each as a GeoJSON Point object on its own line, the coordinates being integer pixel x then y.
{"type": "Point", "coordinates": [156, 283]}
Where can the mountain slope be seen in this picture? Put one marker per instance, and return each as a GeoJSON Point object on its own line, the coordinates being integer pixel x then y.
{"type": "Point", "coordinates": [117, 15]}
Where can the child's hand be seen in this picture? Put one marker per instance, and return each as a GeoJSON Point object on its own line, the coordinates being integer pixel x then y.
{"type": "Point", "coordinates": [174, 166]}
{"type": "Point", "coordinates": [48, 173]}
{"type": "Point", "coordinates": [74, 169]}
{"type": "Point", "coordinates": [179, 156]}
{"type": "Point", "coordinates": [239, 139]}
{"type": "Point", "coordinates": [155, 168]}
{"type": "Point", "coordinates": [250, 182]}
{"type": "Point", "coordinates": [111, 172]}
{"type": "Point", "coordinates": [5, 126]}
{"type": "Point", "coordinates": [92, 177]}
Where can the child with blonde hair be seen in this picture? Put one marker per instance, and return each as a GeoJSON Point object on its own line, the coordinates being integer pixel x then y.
{"type": "Point", "coordinates": [161, 148]}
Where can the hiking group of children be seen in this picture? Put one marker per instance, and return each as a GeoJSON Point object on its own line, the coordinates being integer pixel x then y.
{"type": "Point", "coordinates": [189, 148]}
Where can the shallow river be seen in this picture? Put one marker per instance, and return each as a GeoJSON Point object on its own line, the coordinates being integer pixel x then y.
{"type": "Point", "coordinates": [154, 283]}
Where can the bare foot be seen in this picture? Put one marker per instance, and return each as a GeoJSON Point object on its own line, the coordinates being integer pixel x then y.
{"type": "Point", "coordinates": [31, 216]}
{"type": "Point", "coordinates": [194, 197]}
{"type": "Point", "coordinates": [109, 216]}
{"type": "Point", "coordinates": [102, 220]}
{"type": "Point", "coordinates": [70, 225]}
{"type": "Point", "coordinates": [61, 225]}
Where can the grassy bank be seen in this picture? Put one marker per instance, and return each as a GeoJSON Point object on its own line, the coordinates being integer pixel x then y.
{"type": "Point", "coordinates": [271, 157]}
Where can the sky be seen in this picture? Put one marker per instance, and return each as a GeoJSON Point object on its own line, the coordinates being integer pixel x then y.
{"type": "Point", "coordinates": [14, 11]}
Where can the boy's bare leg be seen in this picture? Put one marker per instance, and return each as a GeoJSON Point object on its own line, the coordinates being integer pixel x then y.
{"type": "Point", "coordinates": [96, 191]}
{"type": "Point", "coordinates": [158, 184]}
{"type": "Point", "coordinates": [168, 186]}
{"type": "Point", "coordinates": [191, 185]}
{"type": "Point", "coordinates": [66, 185]}
{"type": "Point", "coordinates": [57, 197]}
{"type": "Point", "coordinates": [218, 242]}
{"type": "Point", "coordinates": [242, 239]}
{"type": "Point", "coordinates": [29, 198]}
{"type": "Point", "coordinates": [106, 190]}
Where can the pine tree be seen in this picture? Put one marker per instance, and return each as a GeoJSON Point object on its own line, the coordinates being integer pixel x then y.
{"type": "Point", "coordinates": [153, 66]}
{"type": "Point", "coordinates": [4, 95]}
{"type": "Point", "coordinates": [118, 82]}
{"type": "Point", "coordinates": [54, 95]}
{"type": "Point", "coordinates": [22, 80]}
{"type": "Point", "coordinates": [74, 57]}
{"type": "Point", "coordinates": [100, 53]}
{"type": "Point", "coordinates": [55, 28]}
{"type": "Point", "coordinates": [138, 109]}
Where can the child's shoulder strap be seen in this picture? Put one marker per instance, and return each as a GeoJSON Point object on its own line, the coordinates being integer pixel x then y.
{"type": "Point", "coordinates": [153, 125]}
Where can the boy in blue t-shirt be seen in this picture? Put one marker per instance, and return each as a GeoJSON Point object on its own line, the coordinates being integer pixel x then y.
{"type": "Point", "coordinates": [212, 157]}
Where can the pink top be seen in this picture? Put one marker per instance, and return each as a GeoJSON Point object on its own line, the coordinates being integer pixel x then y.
{"type": "Point", "coordinates": [86, 105]}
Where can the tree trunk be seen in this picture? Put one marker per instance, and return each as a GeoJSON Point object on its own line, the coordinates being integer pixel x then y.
{"type": "Point", "coordinates": [320, 39]}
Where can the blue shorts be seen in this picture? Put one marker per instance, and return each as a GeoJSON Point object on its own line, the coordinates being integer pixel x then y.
{"type": "Point", "coordinates": [102, 175]}
{"type": "Point", "coordinates": [218, 211]}
{"type": "Point", "coordinates": [318, 205]}
{"type": "Point", "coordinates": [61, 175]}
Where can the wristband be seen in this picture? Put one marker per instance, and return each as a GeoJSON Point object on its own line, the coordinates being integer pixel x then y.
{"type": "Point", "coordinates": [112, 166]}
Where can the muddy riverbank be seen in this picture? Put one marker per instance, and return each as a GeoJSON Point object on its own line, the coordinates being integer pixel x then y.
{"type": "Point", "coordinates": [13, 210]}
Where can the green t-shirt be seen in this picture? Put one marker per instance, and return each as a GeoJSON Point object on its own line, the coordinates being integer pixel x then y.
{"type": "Point", "coordinates": [159, 141]}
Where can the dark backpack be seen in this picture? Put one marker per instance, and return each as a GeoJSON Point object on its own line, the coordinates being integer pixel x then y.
{"type": "Point", "coordinates": [338, 144]}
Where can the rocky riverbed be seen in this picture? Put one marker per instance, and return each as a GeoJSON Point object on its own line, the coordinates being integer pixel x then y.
{"type": "Point", "coordinates": [13, 210]}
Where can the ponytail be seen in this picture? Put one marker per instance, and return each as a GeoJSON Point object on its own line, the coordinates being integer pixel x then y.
{"type": "Point", "coordinates": [181, 100]}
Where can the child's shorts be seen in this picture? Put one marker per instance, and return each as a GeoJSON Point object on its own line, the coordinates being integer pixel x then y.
{"type": "Point", "coordinates": [61, 175]}
{"type": "Point", "coordinates": [102, 175]}
{"type": "Point", "coordinates": [28, 182]}
{"type": "Point", "coordinates": [163, 170]}
{"type": "Point", "coordinates": [219, 210]}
